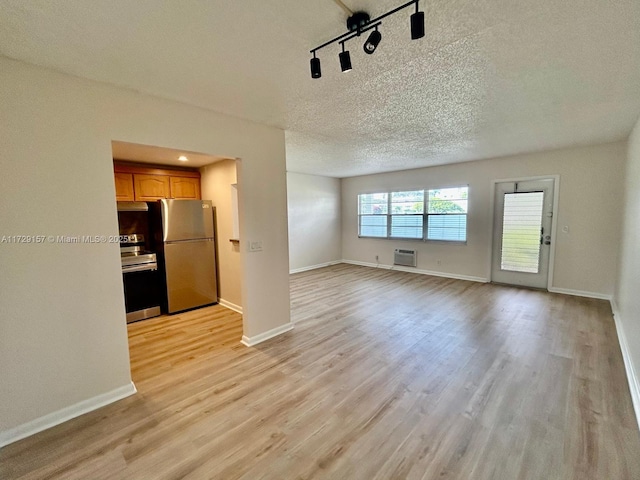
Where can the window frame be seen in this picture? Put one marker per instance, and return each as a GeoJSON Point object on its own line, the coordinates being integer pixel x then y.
{"type": "Point", "coordinates": [466, 215]}
{"type": "Point", "coordinates": [425, 216]}
{"type": "Point", "coordinates": [360, 215]}
{"type": "Point", "coordinates": [391, 215]}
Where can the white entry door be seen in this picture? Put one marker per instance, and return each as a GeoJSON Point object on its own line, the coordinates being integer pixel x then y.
{"type": "Point", "coordinates": [522, 233]}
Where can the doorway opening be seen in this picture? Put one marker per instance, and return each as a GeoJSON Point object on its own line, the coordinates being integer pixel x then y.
{"type": "Point", "coordinates": [523, 232]}
{"type": "Point", "coordinates": [181, 208]}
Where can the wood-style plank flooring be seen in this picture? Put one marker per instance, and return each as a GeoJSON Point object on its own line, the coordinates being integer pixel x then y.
{"type": "Point", "coordinates": [387, 375]}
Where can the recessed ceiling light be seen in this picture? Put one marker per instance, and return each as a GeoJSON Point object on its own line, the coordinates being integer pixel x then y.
{"type": "Point", "coordinates": [182, 158]}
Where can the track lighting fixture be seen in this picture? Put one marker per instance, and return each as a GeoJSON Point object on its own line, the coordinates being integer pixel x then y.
{"type": "Point", "coordinates": [417, 24]}
{"type": "Point", "coordinates": [360, 22]}
{"type": "Point", "coordinates": [372, 42]}
{"type": "Point", "coordinates": [316, 72]}
{"type": "Point", "coordinates": [345, 60]}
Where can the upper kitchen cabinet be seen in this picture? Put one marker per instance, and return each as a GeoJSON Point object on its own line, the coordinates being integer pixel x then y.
{"type": "Point", "coordinates": [124, 187]}
{"type": "Point", "coordinates": [150, 187]}
{"type": "Point", "coordinates": [184, 187]}
{"type": "Point", "coordinates": [146, 183]}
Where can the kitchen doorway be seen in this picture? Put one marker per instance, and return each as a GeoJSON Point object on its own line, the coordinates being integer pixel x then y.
{"type": "Point", "coordinates": [179, 208]}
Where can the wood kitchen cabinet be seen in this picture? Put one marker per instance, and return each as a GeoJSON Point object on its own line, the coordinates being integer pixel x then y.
{"type": "Point", "coordinates": [184, 187]}
{"type": "Point", "coordinates": [124, 187]}
{"type": "Point", "coordinates": [150, 187]}
{"type": "Point", "coordinates": [146, 183]}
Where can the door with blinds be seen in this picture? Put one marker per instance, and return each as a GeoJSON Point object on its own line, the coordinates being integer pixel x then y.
{"type": "Point", "coordinates": [522, 233]}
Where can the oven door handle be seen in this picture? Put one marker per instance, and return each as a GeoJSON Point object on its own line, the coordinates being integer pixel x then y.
{"type": "Point", "coordinates": [140, 268]}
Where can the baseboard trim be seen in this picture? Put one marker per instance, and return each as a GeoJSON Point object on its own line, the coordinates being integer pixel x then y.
{"type": "Point", "coordinates": [632, 378]}
{"type": "Point", "coordinates": [263, 337]}
{"type": "Point", "coordinates": [230, 306]}
{"type": "Point", "coordinates": [580, 293]}
{"type": "Point", "coordinates": [313, 267]}
{"type": "Point", "coordinates": [56, 418]}
{"type": "Point", "coordinates": [565, 291]}
{"type": "Point", "coordinates": [417, 270]}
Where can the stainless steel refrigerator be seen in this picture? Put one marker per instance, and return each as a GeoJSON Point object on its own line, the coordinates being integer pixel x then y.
{"type": "Point", "coordinates": [188, 253]}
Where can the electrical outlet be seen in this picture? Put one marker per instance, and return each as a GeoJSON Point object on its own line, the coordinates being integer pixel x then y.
{"type": "Point", "coordinates": [376, 258]}
{"type": "Point", "coordinates": [438, 262]}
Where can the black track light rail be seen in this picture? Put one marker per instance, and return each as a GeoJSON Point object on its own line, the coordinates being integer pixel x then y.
{"type": "Point", "coordinates": [349, 35]}
{"type": "Point", "coordinates": [374, 22]}
{"type": "Point", "coordinates": [357, 34]}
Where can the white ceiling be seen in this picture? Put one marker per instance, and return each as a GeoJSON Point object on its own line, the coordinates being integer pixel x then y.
{"type": "Point", "coordinates": [490, 78]}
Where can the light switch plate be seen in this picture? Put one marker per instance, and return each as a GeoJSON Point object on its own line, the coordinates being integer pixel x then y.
{"type": "Point", "coordinates": [255, 246]}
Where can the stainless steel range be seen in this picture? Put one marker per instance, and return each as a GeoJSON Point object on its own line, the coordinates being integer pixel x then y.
{"type": "Point", "coordinates": [142, 281]}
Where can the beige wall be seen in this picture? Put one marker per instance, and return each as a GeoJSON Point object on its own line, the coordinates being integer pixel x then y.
{"type": "Point", "coordinates": [627, 299]}
{"type": "Point", "coordinates": [63, 336]}
{"type": "Point", "coordinates": [589, 204]}
{"type": "Point", "coordinates": [216, 182]}
{"type": "Point", "coordinates": [314, 220]}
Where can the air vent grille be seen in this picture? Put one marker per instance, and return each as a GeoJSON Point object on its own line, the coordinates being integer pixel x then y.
{"type": "Point", "coordinates": [406, 258]}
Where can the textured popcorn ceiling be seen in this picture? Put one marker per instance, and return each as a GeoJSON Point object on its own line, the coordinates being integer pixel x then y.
{"type": "Point", "coordinates": [491, 77]}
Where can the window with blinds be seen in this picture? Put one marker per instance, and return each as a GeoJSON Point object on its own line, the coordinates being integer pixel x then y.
{"type": "Point", "coordinates": [436, 214]}
{"type": "Point", "coordinates": [372, 211]}
{"type": "Point", "coordinates": [407, 209]}
{"type": "Point", "coordinates": [447, 217]}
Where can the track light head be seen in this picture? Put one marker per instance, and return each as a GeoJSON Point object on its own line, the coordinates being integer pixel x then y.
{"type": "Point", "coordinates": [372, 42]}
{"type": "Point", "coordinates": [417, 25]}
{"type": "Point", "coordinates": [316, 72]}
{"type": "Point", "coordinates": [345, 60]}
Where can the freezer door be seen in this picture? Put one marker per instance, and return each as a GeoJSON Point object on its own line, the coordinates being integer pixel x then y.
{"type": "Point", "coordinates": [191, 274]}
{"type": "Point", "coordinates": [186, 219]}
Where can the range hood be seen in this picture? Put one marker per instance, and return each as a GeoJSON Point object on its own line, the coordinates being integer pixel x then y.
{"type": "Point", "coordinates": [133, 207]}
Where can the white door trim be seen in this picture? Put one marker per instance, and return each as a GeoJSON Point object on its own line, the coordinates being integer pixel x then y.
{"type": "Point", "coordinates": [554, 219]}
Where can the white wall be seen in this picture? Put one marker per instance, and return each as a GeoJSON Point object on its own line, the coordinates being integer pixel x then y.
{"type": "Point", "coordinates": [216, 180]}
{"type": "Point", "coordinates": [63, 337]}
{"type": "Point", "coordinates": [627, 298]}
{"type": "Point", "coordinates": [590, 203]}
{"type": "Point", "coordinates": [314, 220]}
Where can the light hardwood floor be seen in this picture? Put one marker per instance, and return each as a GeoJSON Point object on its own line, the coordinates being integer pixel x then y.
{"type": "Point", "coordinates": [387, 375]}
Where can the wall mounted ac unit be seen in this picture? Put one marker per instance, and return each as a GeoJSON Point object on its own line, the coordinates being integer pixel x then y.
{"type": "Point", "coordinates": [406, 258]}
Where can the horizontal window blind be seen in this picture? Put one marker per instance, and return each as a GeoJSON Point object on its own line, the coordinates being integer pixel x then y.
{"type": "Point", "coordinates": [522, 221]}
{"type": "Point", "coordinates": [450, 227]}
{"type": "Point", "coordinates": [406, 226]}
{"type": "Point", "coordinates": [373, 226]}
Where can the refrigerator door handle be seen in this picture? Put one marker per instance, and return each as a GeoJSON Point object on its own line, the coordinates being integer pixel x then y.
{"type": "Point", "coordinates": [192, 240]}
